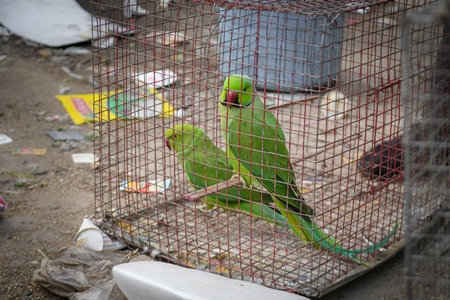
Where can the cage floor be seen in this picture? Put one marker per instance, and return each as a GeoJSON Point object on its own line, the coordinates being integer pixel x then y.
{"type": "Point", "coordinates": [238, 246]}
{"type": "Point", "coordinates": [355, 210]}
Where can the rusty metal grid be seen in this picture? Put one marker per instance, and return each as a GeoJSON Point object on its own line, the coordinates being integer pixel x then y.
{"type": "Point", "coordinates": [312, 8]}
{"type": "Point", "coordinates": [294, 60]}
{"type": "Point", "coordinates": [427, 260]}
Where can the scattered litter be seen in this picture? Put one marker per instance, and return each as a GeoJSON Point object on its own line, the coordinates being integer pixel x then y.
{"type": "Point", "coordinates": [82, 274]}
{"type": "Point", "coordinates": [126, 226]}
{"type": "Point", "coordinates": [91, 80]}
{"type": "Point", "coordinates": [33, 167]}
{"type": "Point", "coordinates": [183, 112]}
{"type": "Point", "coordinates": [304, 191]}
{"type": "Point", "coordinates": [334, 104]}
{"type": "Point", "coordinates": [45, 53]}
{"type": "Point", "coordinates": [83, 158]}
{"type": "Point", "coordinates": [178, 57]}
{"type": "Point", "coordinates": [31, 151]}
{"type": "Point", "coordinates": [65, 135]}
{"type": "Point", "coordinates": [80, 106]}
{"type": "Point", "coordinates": [359, 10]}
{"type": "Point", "coordinates": [312, 183]}
{"type": "Point", "coordinates": [57, 118]}
{"type": "Point", "coordinates": [92, 237]}
{"type": "Point", "coordinates": [69, 24]}
{"type": "Point", "coordinates": [21, 179]}
{"type": "Point", "coordinates": [3, 57]}
{"type": "Point", "coordinates": [45, 24]}
{"type": "Point", "coordinates": [72, 75]}
{"type": "Point", "coordinates": [310, 180]}
{"type": "Point", "coordinates": [3, 205]}
{"type": "Point", "coordinates": [163, 38]}
{"type": "Point", "coordinates": [386, 21]}
{"type": "Point", "coordinates": [83, 108]}
{"type": "Point", "coordinates": [309, 123]}
{"type": "Point", "coordinates": [130, 105]}
{"type": "Point", "coordinates": [104, 43]}
{"type": "Point", "coordinates": [4, 139]}
{"type": "Point", "coordinates": [103, 28]}
{"type": "Point", "coordinates": [58, 59]}
{"type": "Point", "coordinates": [76, 51]}
{"type": "Point", "coordinates": [362, 11]}
{"type": "Point", "coordinates": [64, 89]}
{"type": "Point", "coordinates": [11, 192]}
{"type": "Point", "coordinates": [131, 7]}
{"type": "Point", "coordinates": [303, 279]}
{"type": "Point", "coordinates": [69, 145]}
{"type": "Point", "coordinates": [106, 70]}
{"type": "Point", "coordinates": [150, 187]}
{"type": "Point", "coordinates": [346, 160]}
{"type": "Point", "coordinates": [89, 236]}
{"type": "Point", "coordinates": [157, 79]}
{"type": "Point", "coordinates": [164, 3]}
{"type": "Point", "coordinates": [52, 118]}
{"type": "Point", "coordinates": [18, 175]}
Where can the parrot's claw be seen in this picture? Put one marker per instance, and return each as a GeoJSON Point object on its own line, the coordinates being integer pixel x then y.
{"type": "Point", "coordinates": [204, 207]}
{"type": "Point", "coordinates": [242, 180]}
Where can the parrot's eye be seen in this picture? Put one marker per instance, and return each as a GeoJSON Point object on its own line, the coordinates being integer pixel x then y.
{"type": "Point", "coordinates": [175, 136]}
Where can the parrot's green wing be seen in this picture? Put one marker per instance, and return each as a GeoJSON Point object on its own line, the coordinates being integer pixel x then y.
{"type": "Point", "coordinates": [206, 165]}
{"type": "Point", "coordinates": [272, 168]}
{"type": "Point", "coordinates": [256, 146]}
{"type": "Point", "coordinates": [255, 141]}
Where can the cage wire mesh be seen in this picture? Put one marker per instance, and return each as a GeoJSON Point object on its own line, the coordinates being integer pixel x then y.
{"type": "Point", "coordinates": [427, 161]}
{"type": "Point", "coordinates": [329, 71]}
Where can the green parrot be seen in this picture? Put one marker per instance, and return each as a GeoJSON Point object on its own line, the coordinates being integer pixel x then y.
{"type": "Point", "coordinates": [206, 165]}
{"type": "Point", "coordinates": [256, 146]}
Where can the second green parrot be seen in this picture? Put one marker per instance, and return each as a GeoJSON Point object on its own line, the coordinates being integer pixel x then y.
{"type": "Point", "coordinates": [206, 165]}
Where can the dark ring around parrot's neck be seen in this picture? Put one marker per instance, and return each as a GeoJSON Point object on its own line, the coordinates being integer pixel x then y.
{"type": "Point", "coordinates": [238, 105]}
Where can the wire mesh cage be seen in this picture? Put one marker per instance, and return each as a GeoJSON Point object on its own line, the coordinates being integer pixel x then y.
{"type": "Point", "coordinates": [427, 158]}
{"type": "Point", "coordinates": [331, 75]}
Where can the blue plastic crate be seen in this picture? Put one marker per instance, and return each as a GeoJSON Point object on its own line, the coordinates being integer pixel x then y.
{"type": "Point", "coordinates": [282, 52]}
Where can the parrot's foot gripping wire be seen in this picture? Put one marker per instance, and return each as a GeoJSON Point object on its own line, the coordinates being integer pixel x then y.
{"type": "Point", "coordinates": [238, 177]}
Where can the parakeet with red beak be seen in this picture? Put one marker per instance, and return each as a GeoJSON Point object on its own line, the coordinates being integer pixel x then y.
{"type": "Point", "coordinates": [256, 146]}
{"type": "Point", "coordinates": [206, 165]}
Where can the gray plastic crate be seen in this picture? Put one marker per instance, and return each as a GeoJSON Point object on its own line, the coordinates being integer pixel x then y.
{"type": "Point", "coordinates": [283, 52]}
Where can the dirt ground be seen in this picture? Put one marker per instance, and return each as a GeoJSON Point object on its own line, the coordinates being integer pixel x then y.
{"type": "Point", "coordinates": [48, 195]}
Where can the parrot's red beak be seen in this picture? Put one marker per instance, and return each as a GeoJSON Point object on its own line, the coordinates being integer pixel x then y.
{"type": "Point", "coordinates": [168, 143]}
{"type": "Point", "coordinates": [232, 98]}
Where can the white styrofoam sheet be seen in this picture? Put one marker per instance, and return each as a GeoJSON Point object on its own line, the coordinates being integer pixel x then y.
{"type": "Point", "coordinates": [157, 280]}
{"type": "Point", "coordinates": [53, 23]}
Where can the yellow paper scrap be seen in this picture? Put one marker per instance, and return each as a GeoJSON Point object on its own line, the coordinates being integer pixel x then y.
{"type": "Point", "coordinates": [84, 108]}
{"type": "Point", "coordinates": [32, 151]}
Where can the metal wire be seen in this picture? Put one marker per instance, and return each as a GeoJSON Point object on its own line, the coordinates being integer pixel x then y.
{"type": "Point", "coordinates": [426, 251]}
{"type": "Point", "coordinates": [331, 72]}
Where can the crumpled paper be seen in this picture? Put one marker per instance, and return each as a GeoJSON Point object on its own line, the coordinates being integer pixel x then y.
{"type": "Point", "coordinates": [82, 274]}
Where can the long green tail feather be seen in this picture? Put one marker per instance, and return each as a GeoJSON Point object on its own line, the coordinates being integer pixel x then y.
{"type": "Point", "coordinates": [267, 213]}
{"type": "Point", "coordinates": [308, 231]}
{"type": "Point", "coordinates": [322, 241]}
{"type": "Point", "coordinates": [294, 221]}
